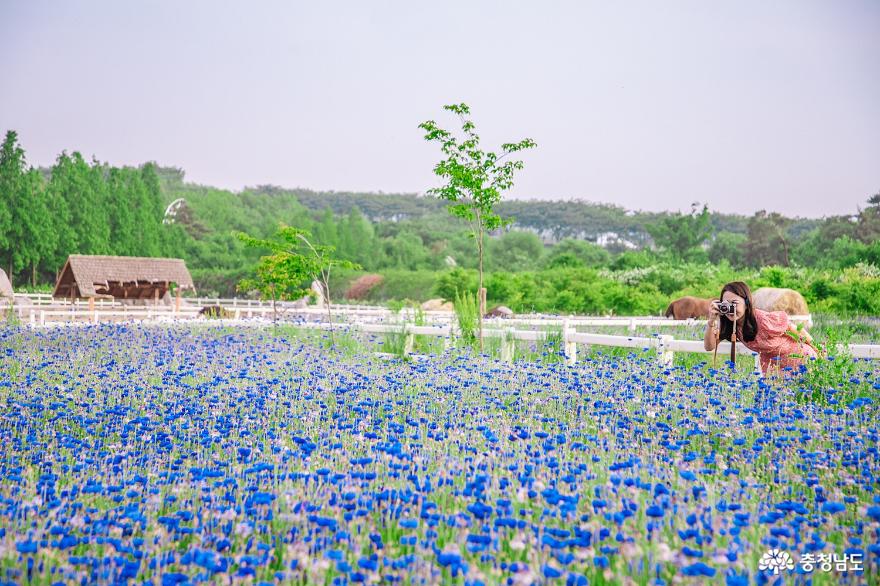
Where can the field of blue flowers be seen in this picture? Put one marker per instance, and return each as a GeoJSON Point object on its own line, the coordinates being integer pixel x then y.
{"type": "Point", "coordinates": [179, 454]}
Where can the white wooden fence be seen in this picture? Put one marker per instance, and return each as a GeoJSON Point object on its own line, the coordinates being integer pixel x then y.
{"type": "Point", "coordinates": [254, 307]}
{"type": "Point", "coordinates": [665, 346]}
{"type": "Point", "coordinates": [38, 299]}
{"type": "Point", "coordinates": [369, 319]}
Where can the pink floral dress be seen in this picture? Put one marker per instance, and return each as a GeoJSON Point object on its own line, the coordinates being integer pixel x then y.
{"type": "Point", "coordinates": [775, 347]}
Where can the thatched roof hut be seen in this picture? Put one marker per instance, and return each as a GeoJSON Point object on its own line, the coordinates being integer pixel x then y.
{"type": "Point", "coordinates": [120, 277]}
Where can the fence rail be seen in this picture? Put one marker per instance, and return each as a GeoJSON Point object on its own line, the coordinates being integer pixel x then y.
{"type": "Point", "coordinates": [37, 299]}
{"type": "Point", "coordinates": [235, 302]}
{"type": "Point", "coordinates": [43, 309]}
{"type": "Point", "coordinates": [665, 346]}
{"type": "Point", "coordinates": [252, 308]}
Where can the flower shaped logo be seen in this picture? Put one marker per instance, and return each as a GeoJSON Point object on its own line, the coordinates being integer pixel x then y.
{"type": "Point", "coordinates": [776, 560]}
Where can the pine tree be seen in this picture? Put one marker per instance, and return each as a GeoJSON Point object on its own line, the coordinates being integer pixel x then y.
{"type": "Point", "coordinates": [151, 210]}
{"type": "Point", "coordinates": [95, 233]}
{"type": "Point", "coordinates": [83, 189]}
{"type": "Point", "coordinates": [59, 209]}
{"type": "Point", "coordinates": [29, 237]}
{"type": "Point", "coordinates": [41, 237]}
{"type": "Point", "coordinates": [11, 179]}
{"type": "Point", "coordinates": [145, 232]}
{"type": "Point", "coordinates": [121, 212]}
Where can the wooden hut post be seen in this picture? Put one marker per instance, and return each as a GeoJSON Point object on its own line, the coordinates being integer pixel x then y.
{"type": "Point", "coordinates": [177, 302]}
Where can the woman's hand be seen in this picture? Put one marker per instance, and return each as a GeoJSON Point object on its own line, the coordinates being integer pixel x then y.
{"type": "Point", "coordinates": [800, 334]}
{"type": "Point", "coordinates": [804, 337]}
{"type": "Point", "coordinates": [710, 339]}
{"type": "Point", "coordinates": [821, 351]}
{"type": "Point", "coordinates": [714, 316]}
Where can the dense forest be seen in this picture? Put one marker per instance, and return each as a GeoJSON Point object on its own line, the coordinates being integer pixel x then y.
{"type": "Point", "coordinates": [75, 207]}
{"type": "Point", "coordinates": [549, 257]}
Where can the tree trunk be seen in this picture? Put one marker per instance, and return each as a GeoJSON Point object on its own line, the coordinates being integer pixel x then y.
{"type": "Point", "coordinates": [480, 290]}
{"type": "Point", "coordinates": [326, 279]}
{"type": "Point", "coordinates": [34, 274]}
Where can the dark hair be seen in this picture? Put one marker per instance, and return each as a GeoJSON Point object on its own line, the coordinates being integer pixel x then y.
{"type": "Point", "coordinates": [749, 323]}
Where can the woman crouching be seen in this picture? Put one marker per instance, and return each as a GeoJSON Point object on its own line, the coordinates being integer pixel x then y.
{"type": "Point", "coordinates": [777, 341]}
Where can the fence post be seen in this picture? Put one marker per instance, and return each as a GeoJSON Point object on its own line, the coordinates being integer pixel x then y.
{"type": "Point", "coordinates": [758, 370]}
{"type": "Point", "coordinates": [570, 347]}
{"type": "Point", "coordinates": [42, 317]}
{"type": "Point", "coordinates": [665, 355]}
{"type": "Point", "coordinates": [32, 320]}
{"type": "Point", "coordinates": [447, 340]}
{"type": "Point", "coordinates": [237, 314]}
{"type": "Point", "coordinates": [632, 324]}
{"type": "Point", "coordinates": [507, 345]}
{"type": "Point", "coordinates": [409, 341]}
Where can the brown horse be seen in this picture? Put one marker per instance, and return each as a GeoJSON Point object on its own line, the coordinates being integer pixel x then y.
{"type": "Point", "coordinates": [688, 307]}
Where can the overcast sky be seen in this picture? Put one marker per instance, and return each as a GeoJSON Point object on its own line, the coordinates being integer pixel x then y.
{"type": "Point", "coordinates": [650, 105]}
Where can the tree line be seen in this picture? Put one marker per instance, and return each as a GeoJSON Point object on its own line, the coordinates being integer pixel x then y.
{"type": "Point", "coordinates": [75, 207]}
{"type": "Point", "coordinates": [836, 242]}
{"type": "Point", "coordinates": [89, 207]}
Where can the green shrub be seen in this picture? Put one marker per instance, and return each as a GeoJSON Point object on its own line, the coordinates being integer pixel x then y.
{"type": "Point", "coordinates": [450, 282]}
{"type": "Point", "coordinates": [467, 315]}
{"type": "Point", "coordinates": [395, 342]}
{"type": "Point", "coordinates": [402, 284]}
{"type": "Point", "coordinates": [643, 290]}
{"type": "Point", "coordinates": [219, 282]}
{"type": "Point", "coordinates": [835, 378]}
{"type": "Point", "coordinates": [859, 297]}
{"type": "Point", "coordinates": [773, 277]}
{"type": "Point", "coordinates": [11, 316]}
{"type": "Point", "coordinates": [632, 259]}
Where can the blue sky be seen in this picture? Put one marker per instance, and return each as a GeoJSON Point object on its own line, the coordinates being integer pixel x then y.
{"type": "Point", "coordinates": [743, 105]}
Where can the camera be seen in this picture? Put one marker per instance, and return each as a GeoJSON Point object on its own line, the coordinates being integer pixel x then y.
{"type": "Point", "coordinates": [726, 307]}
